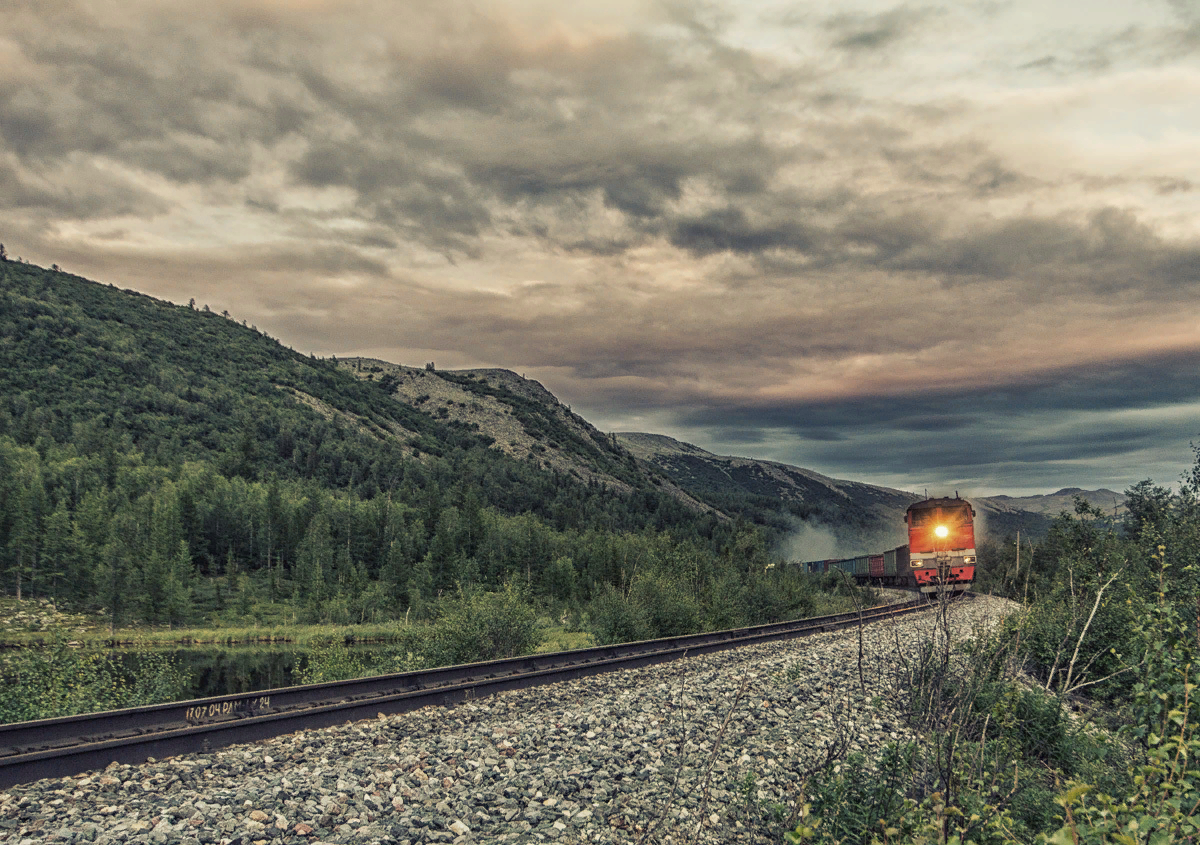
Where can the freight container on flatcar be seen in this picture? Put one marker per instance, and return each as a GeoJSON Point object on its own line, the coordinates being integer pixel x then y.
{"type": "Point", "coordinates": [875, 567]}
{"type": "Point", "coordinates": [889, 563]}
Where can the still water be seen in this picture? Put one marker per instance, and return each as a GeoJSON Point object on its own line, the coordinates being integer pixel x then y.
{"type": "Point", "coordinates": [227, 670]}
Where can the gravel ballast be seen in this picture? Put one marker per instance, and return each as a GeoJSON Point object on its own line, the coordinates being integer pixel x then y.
{"type": "Point", "coordinates": [698, 750]}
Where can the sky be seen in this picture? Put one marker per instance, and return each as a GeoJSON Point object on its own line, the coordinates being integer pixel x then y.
{"type": "Point", "coordinates": [932, 246]}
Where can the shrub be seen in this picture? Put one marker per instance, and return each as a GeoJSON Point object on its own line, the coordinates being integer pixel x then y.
{"type": "Point", "coordinates": [851, 801]}
{"type": "Point", "coordinates": [611, 618]}
{"type": "Point", "coordinates": [476, 626]}
{"type": "Point", "coordinates": [1163, 805]}
{"type": "Point", "coordinates": [330, 660]}
{"type": "Point", "coordinates": [668, 608]}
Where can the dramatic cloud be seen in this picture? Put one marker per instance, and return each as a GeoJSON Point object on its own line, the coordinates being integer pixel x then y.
{"type": "Point", "coordinates": [926, 245]}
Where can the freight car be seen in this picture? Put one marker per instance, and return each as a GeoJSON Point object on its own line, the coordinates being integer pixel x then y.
{"type": "Point", "coordinates": [939, 555]}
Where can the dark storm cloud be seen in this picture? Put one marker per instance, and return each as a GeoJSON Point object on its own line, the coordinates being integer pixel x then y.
{"type": "Point", "coordinates": [659, 212]}
{"type": "Point", "coordinates": [453, 137]}
{"type": "Point", "coordinates": [935, 422]}
{"type": "Point", "coordinates": [1107, 251]}
{"type": "Point", "coordinates": [71, 190]}
{"type": "Point", "coordinates": [173, 111]}
{"type": "Point", "coordinates": [1064, 418]}
{"type": "Point", "coordinates": [452, 144]}
{"type": "Point", "coordinates": [822, 435]}
{"type": "Point", "coordinates": [1112, 385]}
{"type": "Point", "coordinates": [730, 229]}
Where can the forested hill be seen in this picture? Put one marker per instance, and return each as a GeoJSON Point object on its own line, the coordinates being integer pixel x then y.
{"type": "Point", "coordinates": [145, 444]}
{"type": "Point", "coordinates": [91, 365]}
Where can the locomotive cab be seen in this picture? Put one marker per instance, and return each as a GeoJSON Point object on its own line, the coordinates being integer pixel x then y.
{"type": "Point", "coordinates": [941, 544]}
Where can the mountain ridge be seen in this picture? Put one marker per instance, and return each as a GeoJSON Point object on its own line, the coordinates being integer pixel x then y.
{"type": "Point", "coordinates": [875, 511]}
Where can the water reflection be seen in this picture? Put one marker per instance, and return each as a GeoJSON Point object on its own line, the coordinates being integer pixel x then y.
{"type": "Point", "coordinates": [229, 670]}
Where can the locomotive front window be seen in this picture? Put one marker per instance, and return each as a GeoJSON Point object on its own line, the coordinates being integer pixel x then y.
{"type": "Point", "coordinates": [923, 517]}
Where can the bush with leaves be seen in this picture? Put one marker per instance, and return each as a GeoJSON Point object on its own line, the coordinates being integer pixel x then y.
{"type": "Point", "coordinates": [331, 659]}
{"type": "Point", "coordinates": [613, 618]}
{"type": "Point", "coordinates": [474, 626]}
{"type": "Point", "coordinates": [667, 606]}
{"type": "Point", "coordinates": [1164, 805]}
{"type": "Point", "coordinates": [852, 800]}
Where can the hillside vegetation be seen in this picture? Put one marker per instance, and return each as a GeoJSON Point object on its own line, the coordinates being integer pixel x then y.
{"type": "Point", "coordinates": [167, 465]}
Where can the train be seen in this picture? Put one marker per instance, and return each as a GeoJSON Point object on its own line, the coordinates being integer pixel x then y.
{"type": "Point", "coordinates": [939, 556]}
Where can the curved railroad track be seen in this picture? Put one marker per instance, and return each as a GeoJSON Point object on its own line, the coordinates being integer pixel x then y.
{"type": "Point", "coordinates": [72, 744]}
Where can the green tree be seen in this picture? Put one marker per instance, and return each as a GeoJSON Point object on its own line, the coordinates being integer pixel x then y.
{"type": "Point", "coordinates": [27, 503]}
{"type": "Point", "coordinates": [420, 588]}
{"type": "Point", "coordinates": [314, 565]}
{"type": "Point", "coordinates": [60, 556]}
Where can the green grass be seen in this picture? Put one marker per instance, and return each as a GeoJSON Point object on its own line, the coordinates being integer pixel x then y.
{"type": "Point", "coordinates": [37, 622]}
{"type": "Point", "coordinates": [31, 623]}
{"type": "Point", "coordinates": [557, 638]}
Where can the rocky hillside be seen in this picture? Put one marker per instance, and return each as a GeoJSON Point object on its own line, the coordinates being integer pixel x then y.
{"type": "Point", "coordinates": [520, 418]}
{"type": "Point", "coordinates": [803, 491]}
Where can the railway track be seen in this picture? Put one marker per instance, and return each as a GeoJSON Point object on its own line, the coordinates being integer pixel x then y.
{"type": "Point", "coordinates": [69, 745]}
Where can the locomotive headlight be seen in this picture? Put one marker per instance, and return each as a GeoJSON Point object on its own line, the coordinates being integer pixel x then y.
{"type": "Point", "coordinates": [942, 531]}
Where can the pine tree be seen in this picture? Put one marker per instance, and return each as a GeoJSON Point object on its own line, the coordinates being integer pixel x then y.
{"type": "Point", "coordinates": [420, 588]}
{"type": "Point", "coordinates": [314, 564]}
{"type": "Point", "coordinates": [59, 556]}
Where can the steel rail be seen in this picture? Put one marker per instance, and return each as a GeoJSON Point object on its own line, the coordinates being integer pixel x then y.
{"type": "Point", "coordinates": [69, 745]}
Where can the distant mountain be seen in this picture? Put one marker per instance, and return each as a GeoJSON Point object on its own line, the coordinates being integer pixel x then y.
{"type": "Point", "coordinates": [828, 517]}
{"type": "Point", "coordinates": [1053, 504]}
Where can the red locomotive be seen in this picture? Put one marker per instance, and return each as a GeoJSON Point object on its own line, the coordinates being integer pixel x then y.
{"type": "Point", "coordinates": [941, 544]}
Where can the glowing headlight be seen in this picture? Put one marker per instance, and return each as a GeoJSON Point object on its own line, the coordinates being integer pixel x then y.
{"type": "Point", "coordinates": [941, 531]}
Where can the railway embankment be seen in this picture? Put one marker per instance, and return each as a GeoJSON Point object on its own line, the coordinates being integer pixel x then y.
{"type": "Point", "coordinates": [699, 750]}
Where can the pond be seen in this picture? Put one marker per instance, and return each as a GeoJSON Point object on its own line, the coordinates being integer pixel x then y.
{"type": "Point", "coordinates": [233, 669]}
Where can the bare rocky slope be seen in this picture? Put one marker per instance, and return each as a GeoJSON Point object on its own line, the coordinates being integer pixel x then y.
{"type": "Point", "coordinates": [521, 418]}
